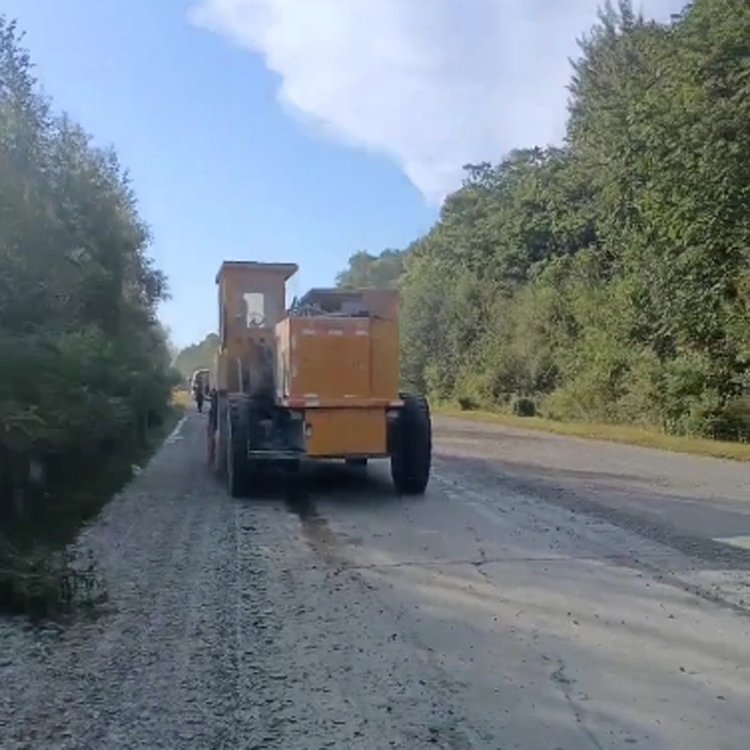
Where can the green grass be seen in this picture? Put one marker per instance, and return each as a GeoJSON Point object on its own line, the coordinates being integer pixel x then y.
{"type": "Point", "coordinates": [181, 398]}
{"type": "Point", "coordinates": [614, 433]}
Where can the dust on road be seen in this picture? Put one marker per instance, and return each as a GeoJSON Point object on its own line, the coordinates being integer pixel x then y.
{"type": "Point", "coordinates": [542, 595]}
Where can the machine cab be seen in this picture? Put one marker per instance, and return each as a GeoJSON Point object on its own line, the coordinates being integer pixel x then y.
{"type": "Point", "coordinates": [252, 299]}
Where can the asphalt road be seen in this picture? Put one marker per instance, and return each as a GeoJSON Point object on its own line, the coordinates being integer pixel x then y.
{"type": "Point", "coordinates": [547, 594]}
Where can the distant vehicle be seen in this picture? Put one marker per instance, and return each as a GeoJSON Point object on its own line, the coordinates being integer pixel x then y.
{"type": "Point", "coordinates": [317, 381]}
{"type": "Point", "coordinates": [202, 377]}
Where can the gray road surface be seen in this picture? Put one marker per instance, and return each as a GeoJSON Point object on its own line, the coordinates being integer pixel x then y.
{"type": "Point", "coordinates": [546, 594]}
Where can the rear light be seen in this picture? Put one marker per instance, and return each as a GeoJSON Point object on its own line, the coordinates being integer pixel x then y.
{"type": "Point", "coordinates": [308, 430]}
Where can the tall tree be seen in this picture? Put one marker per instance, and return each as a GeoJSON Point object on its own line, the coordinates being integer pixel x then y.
{"type": "Point", "coordinates": [367, 270]}
{"type": "Point", "coordinates": [197, 356]}
{"type": "Point", "coordinates": [608, 279]}
{"type": "Point", "coordinates": [83, 359]}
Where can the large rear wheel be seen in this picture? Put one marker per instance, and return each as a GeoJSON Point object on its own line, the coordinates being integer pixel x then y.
{"type": "Point", "coordinates": [411, 447]}
{"type": "Point", "coordinates": [238, 464]}
{"type": "Point", "coordinates": [217, 436]}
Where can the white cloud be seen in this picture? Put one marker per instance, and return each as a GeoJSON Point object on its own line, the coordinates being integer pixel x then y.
{"type": "Point", "coordinates": [434, 84]}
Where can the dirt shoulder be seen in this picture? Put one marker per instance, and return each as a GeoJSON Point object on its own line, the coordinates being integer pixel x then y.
{"type": "Point", "coordinates": [624, 434]}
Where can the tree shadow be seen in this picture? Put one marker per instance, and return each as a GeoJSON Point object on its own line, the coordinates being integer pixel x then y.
{"type": "Point", "coordinates": [632, 669]}
{"type": "Point", "coordinates": [619, 499]}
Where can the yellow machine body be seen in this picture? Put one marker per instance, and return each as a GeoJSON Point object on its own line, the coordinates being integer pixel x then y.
{"type": "Point", "coordinates": [317, 380]}
{"type": "Point", "coordinates": [343, 371]}
{"type": "Point", "coordinates": [334, 360]}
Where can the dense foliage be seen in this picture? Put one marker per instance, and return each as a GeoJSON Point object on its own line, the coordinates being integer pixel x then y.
{"type": "Point", "coordinates": [608, 279]}
{"type": "Point", "coordinates": [84, 364]}
{"type": "Point", "coordinates": [367, 270]}
{"type": "Point", "coordinates": [198, 356]}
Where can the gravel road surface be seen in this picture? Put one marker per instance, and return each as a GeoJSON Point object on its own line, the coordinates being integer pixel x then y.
{"type": "Point", "coordinates": [547, 593]}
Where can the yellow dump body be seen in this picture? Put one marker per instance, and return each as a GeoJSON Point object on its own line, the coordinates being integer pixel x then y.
{"type": "Point", "coordinates": [344, 372]}
{"type": "Point", "coordinates": [338, 361]}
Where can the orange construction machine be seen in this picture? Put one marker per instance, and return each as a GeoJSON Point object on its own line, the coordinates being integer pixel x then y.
{"type": "Point", "coordinates": [320, 380]}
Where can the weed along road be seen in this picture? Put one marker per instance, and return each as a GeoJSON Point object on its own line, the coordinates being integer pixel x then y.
{"type": "Point", "coordinates": [545, 593]}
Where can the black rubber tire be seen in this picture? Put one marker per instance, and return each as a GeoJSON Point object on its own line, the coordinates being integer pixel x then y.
{"type": "Point", "coordinates": [291, 467]}
{"type": "Point", "coordinates": [360, 463]}
{"type": "Point", "coordinates": [219, 463]}
{"type": "Point", "coordinates": [411, 447]}
{"type": "Point", "coordinates": [238, 465]}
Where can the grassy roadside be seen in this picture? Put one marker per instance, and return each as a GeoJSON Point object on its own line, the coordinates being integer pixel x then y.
{"type": "Point", "coordinates": [181, 398]}
{"type": "Point", "coordinates": [609, 432]}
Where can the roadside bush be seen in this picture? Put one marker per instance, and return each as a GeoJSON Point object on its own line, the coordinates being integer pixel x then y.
{"type": "Point", "coordinates": [473, 390]}
{"type": "Point", "coordinates": [45, 583]}
{"type": "Point", "coordinates": [84, 362]}
{"type": "Point", "coordinates": [732, 422]}
{"type": "Point", "coordinates": [524, 407]}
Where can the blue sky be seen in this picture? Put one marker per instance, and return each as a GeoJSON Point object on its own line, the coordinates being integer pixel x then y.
{"type": "Point", "coordinates": [300, 130]}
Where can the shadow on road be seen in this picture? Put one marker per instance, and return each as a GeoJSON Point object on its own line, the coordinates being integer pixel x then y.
{"type": "Point", "coordinates": [332, 480]}
{"type": "Point", "coordinates": [617, 499]}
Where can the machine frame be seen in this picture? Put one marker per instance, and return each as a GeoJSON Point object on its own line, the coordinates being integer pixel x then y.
{"type": "Point", "coordinates": [318, 380]}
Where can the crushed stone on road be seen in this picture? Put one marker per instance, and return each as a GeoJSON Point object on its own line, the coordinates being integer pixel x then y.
{"type": "Point", "coordinates": [493, 613]}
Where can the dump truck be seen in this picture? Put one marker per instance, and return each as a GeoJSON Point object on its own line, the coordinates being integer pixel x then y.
{"type": "Point", "coordinates": [317, 380]}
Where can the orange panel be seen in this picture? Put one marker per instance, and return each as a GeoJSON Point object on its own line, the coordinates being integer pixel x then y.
{"type": "Point", "coordinates": [384, 358]}
{"type": "Point", "coordinates": [339, 360]}
{"type": "Point", "coordinates": [346, 432]}
{"type": "Point", "coordinates": [329, 357]}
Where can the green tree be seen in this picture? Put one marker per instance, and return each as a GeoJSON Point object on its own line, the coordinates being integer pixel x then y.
{"type": "Point", "coordinates": [608, 279]}
{"type": "Point", "coordinates": [83, 360]}
{"type": "Point", "coordinates": [366, 270]}
{"type": "Point", "coordinates": [197, 356]}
